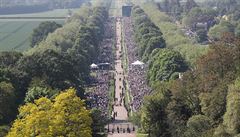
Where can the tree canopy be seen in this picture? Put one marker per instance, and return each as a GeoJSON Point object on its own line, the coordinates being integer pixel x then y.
{"type": "Point", "coordinates": [66, 115]}
{"type": "Point", "coordinates": [41, 32]}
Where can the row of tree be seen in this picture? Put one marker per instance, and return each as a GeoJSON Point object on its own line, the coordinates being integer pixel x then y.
{"type": "Point", "coordinates": [147, 34]}
{"type": "Point", "coordinates": [174, 37]}
{"type": "Point", "coordinates": [164, 64]}
{"type": "Point", "coordinates": [60, 60]}
{"type": "Point", "coordinates": [203, 103]}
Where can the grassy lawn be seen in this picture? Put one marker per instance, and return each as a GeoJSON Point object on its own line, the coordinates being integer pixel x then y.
{"type": "Point", "coordinates": [142, 135]}
{"type": "Point", "coordinates": [111, 95]}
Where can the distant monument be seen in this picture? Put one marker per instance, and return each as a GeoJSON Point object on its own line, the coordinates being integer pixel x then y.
{"type": "Point", "coordinates": [127, 9]}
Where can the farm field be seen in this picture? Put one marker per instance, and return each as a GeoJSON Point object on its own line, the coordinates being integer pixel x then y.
{"type": "Point", "coordinates": [51, 13]}
{"type": "Point", "coordinates": [15, 33]}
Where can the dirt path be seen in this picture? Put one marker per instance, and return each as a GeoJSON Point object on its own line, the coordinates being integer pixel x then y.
{"type": "Point", "coordinates": [120, 126]}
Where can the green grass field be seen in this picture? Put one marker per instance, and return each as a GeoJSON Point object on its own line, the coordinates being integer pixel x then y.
{"type": "Point", "coordinates": [15, 33]}
{"type": "Point", "coordinates": [51, 13]}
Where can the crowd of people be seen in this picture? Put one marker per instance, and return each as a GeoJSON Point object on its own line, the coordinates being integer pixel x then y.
{"type": "Point", "coordinates": [136, 74]}
{"type": "Point", "coordinates": [98, 94]}
{"type": "Point", "coordinates": [106, 46]}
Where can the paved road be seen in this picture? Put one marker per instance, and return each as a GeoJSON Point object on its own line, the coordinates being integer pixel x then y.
{"type": "Point", "coordinates": [119, 107]}
{"type": "Point", "coordinates": [120, 111]}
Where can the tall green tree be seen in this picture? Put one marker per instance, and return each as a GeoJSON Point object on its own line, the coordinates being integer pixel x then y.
{"type": "Point", "coordinates": [41, 32]}
{"type": "Point", "coordinates": [154, 116]}
{"type": "Point", "coordinates": [164, 63]}
{"type": "Point", "coordinates": [232, 115]}
{"type": "Point", "coordinates": [7, 103]}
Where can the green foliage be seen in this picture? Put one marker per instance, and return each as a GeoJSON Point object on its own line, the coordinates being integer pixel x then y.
{"type": "Point", "coordinates": [184, 103]}
{"type": "Point", "coordinates": [213, 104]}
{"type": "Point", "coordinates": [200, 103]}
{"type": "Point", "coordinates": [231, 117]}
{"type": "Point", "coordinates": [35, 93]}
{"type": "Point", "coordinates": [148, 36]}
{"type": "Point", "coordinates": [8, 59]}
{"type": "Point", "coordinates": [172, 7]}
{"type": "Point", "coordinates": [189, 5]}
{"type": "Point", "coordinates": [197, 15]}
{"type": "Point", "coordinates": [99, 121]}
{"type": "Point", "coordinates": [60, 61]}
{"type": "Point", "coordinates": [220, 131]}
{"type": "Point", "coordinates": [164, 63]}
{"type": "Point", "coordinates": [191, 52]}
{"type": "Point", "coordinates": [7, 103]}
{"type": "Point", "coordinates": [237, 30]}
{"type": "Point", "coordinates": [4, 130]}
{"type": "Point", "coordinates": [197, 125]}
{"type": "Point", "coordinates": [173, 36]}
{"type": "Point", "coordinates": [57, 70]}
{"type": "Point", "coordinates": [41, 32]}
{"type": "Point", "coordinates": [136, 118]}
{"type": "Point", "coordinates": [154, 117]}
{"type": "Point", "coordinates": [217, 31]}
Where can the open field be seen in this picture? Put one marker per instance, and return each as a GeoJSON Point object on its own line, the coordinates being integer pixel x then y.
{"type": "Point", "coordinates": [15, 33]}
{"type": "Point", "coordinates": [51, 13]}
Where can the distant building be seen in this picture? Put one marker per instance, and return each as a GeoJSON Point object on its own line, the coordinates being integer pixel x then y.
{"type": "Point", "coordinates": [127, 10]}
{"type": "Point", "coordinates": [202, 25]}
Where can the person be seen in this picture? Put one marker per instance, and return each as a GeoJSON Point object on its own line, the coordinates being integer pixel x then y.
{"type": "Point", "coordinates": [117, 129]}
{"type": "Point", "coordinates": [128, 130]}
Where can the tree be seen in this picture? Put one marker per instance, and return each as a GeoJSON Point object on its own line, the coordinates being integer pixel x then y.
{"type": "Point", "coordinates": [65, 116]}
{"type": "Point", "coordinates": [189, 5]}
{"type": "Point", "coordinates": [213, 104]}
{"type": "Point", "coordinates": [99, 121]}
{"type": "Point", "coordinates": [154, 43]}
{"type": "Point", "coordinates": [184, 103]}
{"type": "Point", "coordinates": [4, 130]}
{"type": "Point", "coordinates": [217, 31]}
{"type": "Point", "coordinates": [164, 63]}
{"type": "Point", "coordinates": [220, 64]}
{"type": "Point", "coordinates": [59, 71]}
{"type": "Point", "coordinates": [237, 30]}
{"type": "Point", "coordinates": [232, 115]}
{"type": "Point", "coordinates": [197, 125]}
{"type": "Point", "coordinates": [197, 14]}
{"type": "Point", "coordinates": [7, 103]}
{"type": "Point", "coordinates": [38, 92]}
{"type": "Point", "coordinates": [154, 116]}
{"type": "Point", "coordinates": [147, 34]}
{"type": "Point", "coordinates": [9, 58]}
{"type": "Point", "coordinates": [41, 32]}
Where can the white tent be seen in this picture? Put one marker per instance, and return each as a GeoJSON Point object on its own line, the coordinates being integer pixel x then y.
{"type": "Point", "coordinates": [138, 63]}
{"type": "Point", "coordinates": [94, 66]}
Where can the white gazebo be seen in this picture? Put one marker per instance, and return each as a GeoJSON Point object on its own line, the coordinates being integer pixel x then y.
{"type": "Point", "coordinates": [137, 63]}
{"type": "Point", "coordinates": [94, 66]}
